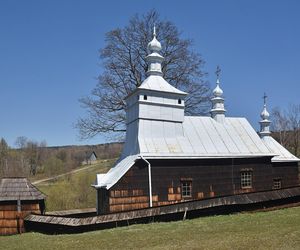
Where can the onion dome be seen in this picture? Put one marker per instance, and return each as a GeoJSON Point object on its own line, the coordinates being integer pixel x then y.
{"type": "Point", "coordinates": [154, 45]}
{"type": "Point", "coordinates": [265, 114]}
{"type": "Point", "coordinates": [218, 92]}
{"type": "Point", "coordinates": [218, 109]}
{"type": "Point", "coordinates": [265, 123]}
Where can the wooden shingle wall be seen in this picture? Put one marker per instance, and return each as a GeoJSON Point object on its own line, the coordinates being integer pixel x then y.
{"type": "Point", "coordinates": [12, 221]}
{"type": "Point", "coordinates": [210, 178]}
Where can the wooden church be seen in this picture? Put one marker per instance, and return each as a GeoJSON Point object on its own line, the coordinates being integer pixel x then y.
{"type": "Point", "coordinates": [170, 158]}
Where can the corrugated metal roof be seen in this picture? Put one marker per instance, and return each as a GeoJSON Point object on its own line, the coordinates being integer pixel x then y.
{"type": "Point", "coordinates": [283, 155]}
{"type": "Point", "coordinates": [200, 137]}
{"type": "Point", "coordinates": [12, 189]}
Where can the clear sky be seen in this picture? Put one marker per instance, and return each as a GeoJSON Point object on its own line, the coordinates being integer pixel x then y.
{"type": "Point", "coordinates": [49, 56]}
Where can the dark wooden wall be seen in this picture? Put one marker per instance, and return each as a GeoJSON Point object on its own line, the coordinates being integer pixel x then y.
{"type": "Point", "coordinates": [12, 221]}
{"type": "Point", "coordinates": [210, 178]}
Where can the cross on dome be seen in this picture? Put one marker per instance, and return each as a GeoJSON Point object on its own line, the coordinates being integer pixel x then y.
{"type": "Point", "coordinates": [265, 122]}
{"type": "Point", "coordinates": [265, 98]}
{"type": "Point", "coordinates": [218, 72]}
{"type": "Point", "coordinates": [154, 45]}
{"type": "Point", "coordinates": [154, 59]}
{"type": "Point", "coordinates": [265, 114]}
{"type": "Point", "coordinates": [218, 92]}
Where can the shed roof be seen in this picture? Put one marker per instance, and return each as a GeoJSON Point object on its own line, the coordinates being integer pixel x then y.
{"type": "Point", "coordinates": [12, 189]}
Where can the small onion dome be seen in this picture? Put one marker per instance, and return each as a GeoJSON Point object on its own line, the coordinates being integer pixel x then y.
{"type": "Point", "coordinates": [218, 92]}
{"type": "Point", "coordinates": [154, 45]}
{"type": "Point", "coordinates": [265, 114]}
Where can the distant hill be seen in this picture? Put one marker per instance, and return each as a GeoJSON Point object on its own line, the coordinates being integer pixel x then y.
{"type": "Point", "coordinates": [103, 151]}
{"type": "Point", "coordinates": [38, 162]}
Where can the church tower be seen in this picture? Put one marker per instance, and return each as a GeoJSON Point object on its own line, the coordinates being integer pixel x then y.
{"type": "Point", "coordinates": [154, 100]}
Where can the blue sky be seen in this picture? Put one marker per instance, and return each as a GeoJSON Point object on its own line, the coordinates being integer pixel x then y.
{"type": "Point", "coordinates": [49, 56]}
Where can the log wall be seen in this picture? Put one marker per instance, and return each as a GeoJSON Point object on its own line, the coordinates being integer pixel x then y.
{"type": "Point", "coordinates": [210, 178]}
{"type": "Point", "coordinates": [12, 221]}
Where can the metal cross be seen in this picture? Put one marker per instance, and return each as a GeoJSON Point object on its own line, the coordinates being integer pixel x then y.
{"type": "Point", "coordinates": [265, 98]}
{"type": "Point", "coordinates": [218, 71]}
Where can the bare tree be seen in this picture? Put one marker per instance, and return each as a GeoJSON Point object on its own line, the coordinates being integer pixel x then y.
{"type": "Point", "coordinates": [125, 68]}
{"type": "Point", "coordinates": [3, 156]}
{"type": "Point", "coordinates": [31, 152]}
{"type": "Point", "coordinates": [294, 121]}
{"type": "Point", "coordinates": [280, 124]}
{"type": "Point", "coordinates": [287, 125]}
{"type": "Point", "coordinates": [21, 143]}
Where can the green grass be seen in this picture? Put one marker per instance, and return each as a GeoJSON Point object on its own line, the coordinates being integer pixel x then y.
{"type": "Point", "coordinates": [74, 191]}
{"type": "Point", "coordinates": [278, 229]}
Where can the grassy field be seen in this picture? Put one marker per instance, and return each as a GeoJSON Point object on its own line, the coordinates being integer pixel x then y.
{"type": "Point", "coordinates": [278, 229]}
{"type": "Point", "coordinates": [74, 191]}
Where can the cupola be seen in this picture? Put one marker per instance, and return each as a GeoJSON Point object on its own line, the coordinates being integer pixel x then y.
{"type": "Point", "coordinates": [265, 122]}
{"type": "Point", "coordinates": [218, 110]}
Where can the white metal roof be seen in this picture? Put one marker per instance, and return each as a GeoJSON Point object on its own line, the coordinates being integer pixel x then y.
{"type": "Point", "coordinates": [282, 154]}
{"type": "Point", "coordinates": [200, 137]}
{"type": "Point", "coordinates": [114, 174]}
{"type": "Point", "coordinates": [158, 83]}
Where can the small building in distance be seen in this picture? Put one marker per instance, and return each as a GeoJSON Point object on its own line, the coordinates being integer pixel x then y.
{"type": "Point", "coordinates": [90, 158]}
{"type": "Point", "coordinates": [18, 198]}
{"type": "Point", "coordinates": [169, 157]}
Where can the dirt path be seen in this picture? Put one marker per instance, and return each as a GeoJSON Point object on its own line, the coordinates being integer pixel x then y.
{"type": "Point", "coordinates": [61, 175]}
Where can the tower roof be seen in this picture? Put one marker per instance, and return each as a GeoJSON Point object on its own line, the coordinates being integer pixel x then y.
{"type": "Point", "coordinates": [158, 83]}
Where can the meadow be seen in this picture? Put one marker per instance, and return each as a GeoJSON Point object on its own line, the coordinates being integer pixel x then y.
{"type": "Point", "coordinates": [279, 229]}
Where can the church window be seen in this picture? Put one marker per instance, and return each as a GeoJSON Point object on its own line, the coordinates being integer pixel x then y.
{"type": "Point", "coordinates": [145, 97]}
{"type": "Point", "coordinates": [186, 189]}
{"type": "Point", "coordinates": [179, 101]}
{"type": "Point", "coordinates": [276, 183]}
{"type": "Point", "coordinates": [246, 179]}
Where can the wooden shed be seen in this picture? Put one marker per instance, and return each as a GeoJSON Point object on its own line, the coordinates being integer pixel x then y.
{"type": "Point", "coordinates": [18, 198]}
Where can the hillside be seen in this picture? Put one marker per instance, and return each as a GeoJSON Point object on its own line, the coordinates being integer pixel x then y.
{"type": "Point", "coordinates": [73, 190]}
{"type": "Point", "coordinates": [36, 161]}
{"type": "Point", "coordinates": [278, 229]}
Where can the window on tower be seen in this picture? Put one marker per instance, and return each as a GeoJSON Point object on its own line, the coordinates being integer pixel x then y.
{"type": "Point", "coordinates": [145, 97]}
{"type": "Point", "coordinates": [179, 101]}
